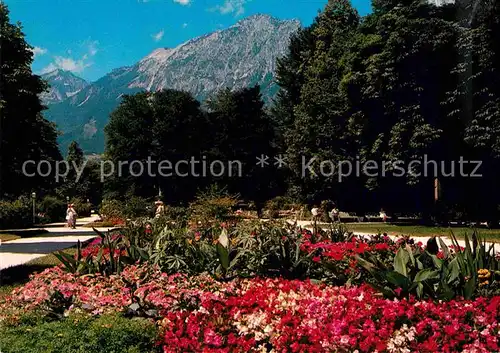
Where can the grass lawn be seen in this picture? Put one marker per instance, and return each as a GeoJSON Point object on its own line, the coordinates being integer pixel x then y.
{"type": "Point", "coordinates": [17, 234]}
{"type": "Point", "coordinates": [16, 276]}
{"type": "Point", "coordinates": [6, 237]}
{"type": "Point", "coordinates": [422, 231]}
{"type": "Point", "coordinates": [22, 233]}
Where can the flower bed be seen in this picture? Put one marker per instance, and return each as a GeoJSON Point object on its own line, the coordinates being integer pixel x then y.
{"type": "Point", "coordinates": [199, 314]}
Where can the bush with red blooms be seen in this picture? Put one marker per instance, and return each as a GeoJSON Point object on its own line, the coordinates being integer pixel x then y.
{"type": "Point", "coordinates": [93, 248]}
{"type": "Point", "coordinates": [199, 314]}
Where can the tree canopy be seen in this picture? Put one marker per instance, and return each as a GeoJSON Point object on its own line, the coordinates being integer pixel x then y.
{"type": "Point", "coordinates": [406, 82]}
{"type": "Point", "coordinates": [24, 133]}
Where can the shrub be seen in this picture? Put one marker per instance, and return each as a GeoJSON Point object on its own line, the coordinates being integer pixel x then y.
{"type": "Point", "coordinates": [272, 248]}
{"type": "Point", "coordinates": [280, 203]}
{"type": "Point", "coordinates": [111, 209]}
{"type": "Point", "coordinates": [213, 204]}
{"type": "Point", "coordinates": [133, 207]}
{"type": "Point", "coordinates": [272, 209]}
{"type": "Point", "coordinates": [82, 207]}
{"type": "Point", "coordinates": [78, 334]}
{"type": "Point", "coordinates": [53, 209]}
{"type": "Point", "coordinates": [177, 214]}
{"type": "Point", "coordinates": [16, 214]}
{"type": "Point", "coordinates": [430, 273]}
{"type": "Point", "coordinates": [136, 207]}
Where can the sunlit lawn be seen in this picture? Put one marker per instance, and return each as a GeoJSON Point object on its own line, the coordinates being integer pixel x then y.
{"type": "Point", "coordinates": [21, 233]}
{"type": "Point", "coordinates": [492, 235]}
{"type": "Point", "coordinates": [7, 237]}
{"type": "Point", "coordinates": [422, 231]}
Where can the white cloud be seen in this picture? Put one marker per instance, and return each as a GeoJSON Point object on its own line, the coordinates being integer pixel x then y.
{"type": "Point", "coordinates": [158, 36]}
{"type": "Point", "coordinates": [236, 7]}
{"type": "Point", "coordinates": [92, 47]}
{"type": "Point", "coordinates": [69, 63]}
{"type": "Point", "coordinates": [37, 51]}
{"type": "Point", "coordinates": [49, 68]}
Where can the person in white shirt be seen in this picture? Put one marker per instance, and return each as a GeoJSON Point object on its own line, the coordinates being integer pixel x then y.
{"type": "Point", "coordinates": [383, 215]}
{"type": "Point", "coordinates": [160, 209]}
{"type": "Point", "coordinates": [71, 216]}
{"type": "Point", "coordinates": [335, 214]}
{"type": "Point", "coordinates": [315, 213]}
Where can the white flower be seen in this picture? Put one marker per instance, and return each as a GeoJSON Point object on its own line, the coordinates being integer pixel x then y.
{"type": "Point", "coordinates": [223, 238]}
{"type": "Point", "coordinates": [203, 310]}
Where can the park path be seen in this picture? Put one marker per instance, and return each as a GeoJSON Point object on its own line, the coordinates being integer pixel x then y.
{"type": "Point", "coordinates": [447, 240]}
{"type": "Point", "coordinates": [59, 237]}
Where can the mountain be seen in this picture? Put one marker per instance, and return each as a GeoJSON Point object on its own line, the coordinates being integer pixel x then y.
{"type": "Point", "coordinates": [243, 55]}
{"type": "Point", "coordinates": [442, 2]}
{"type": "Point", "coordinates": [62, 84]}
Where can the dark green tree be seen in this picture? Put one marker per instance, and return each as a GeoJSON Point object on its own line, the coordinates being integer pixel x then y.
{"type": "Point", "coordinates": [24, 133]}
{"type": "Point", "coordinates": [477, 101]}
{"type": "Point", "coordinates": [129, 137]}
{"type": "Point", "coordinates": [181, 135]}
{"type": "Point", "coordinates": [376, 90]}
{"type": "Point", "coordinates": [151, 128]}
{"type": "Point", "coordinates": [313, 105]}
{"type": "Point", "coordinates": [83, 178]}
{"type": "Point", "coordinates": [75, 154]}
{"type": "Point", "coordinates": [242, 131]}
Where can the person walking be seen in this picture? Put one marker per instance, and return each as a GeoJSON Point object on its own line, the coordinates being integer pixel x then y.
{"type": "Point", "coordinates": [160, 209]}
{"type": "Point", "coordinates": [335, 214]}
{"type": "Point", "coordinates": [315, 213]}
{"type": "Point", "coordinates": [68, 216]}
{"type": "Point", "coordinates": [71, 216]}
{"type": "Point", "coordinates": [383, 215]}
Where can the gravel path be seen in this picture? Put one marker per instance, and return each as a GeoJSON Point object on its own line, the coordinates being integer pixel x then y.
{"type": "Point", "coordinates": [20, 251]}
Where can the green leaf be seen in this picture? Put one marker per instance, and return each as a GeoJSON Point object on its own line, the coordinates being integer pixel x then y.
{"type": "Point", "coordinates": [366, 265]}
{"type": "Point", "coordinates": [426, 274]}
{"type": "Point", "coordinates": [454, 270]}
{"type": "Point", "coordinates": [127, 260]}
{"type": "Point", "coordinates": [398, 279]}
{"type": "Point", "coordinates": [143, 254]}
{"type": "Point", "coordinates": [420, 265]}
{"type": "Point", "coordinates": [99, 255]}
{"type": "Point", "coordinates": [69, 265]}
{"type": "Point", "coordinates": [81, 267]}
{"type": "Point", "coordinates": [410, 253]}
{"type": "Point", "coordinates": [437, 262]}
{"type": "Point", "coordinates": [101, 234]}
{"type": "Point", "coordinates": [469, 288]}
{"type": "Point", "coordinates": [400, 261]}
{"type": "Point", "coordinates": [78, 251]}
{"type": "Point", "coordinates": [223, 256]}
{"type": "Point", "coordinates": [420, 290]}
{"type": "Point", "coordinates": [235, 260]}
{"type": "Point", "coordinates": [444, 247]}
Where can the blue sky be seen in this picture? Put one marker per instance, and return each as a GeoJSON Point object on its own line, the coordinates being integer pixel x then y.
{"type": "Point", "coordinates": [93, 37]}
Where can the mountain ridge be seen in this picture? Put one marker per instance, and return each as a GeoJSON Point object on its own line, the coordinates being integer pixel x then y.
{"type": "Point", "coordinates": [240, 56]}
{"type": "Point", "coordinates": [62, 85]}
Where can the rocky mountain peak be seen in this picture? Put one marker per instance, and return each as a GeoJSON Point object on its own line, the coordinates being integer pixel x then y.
{"type": "Point", "coordinates": [243, 55]}
{"type": "Point", "coordinates": [62, 85]}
